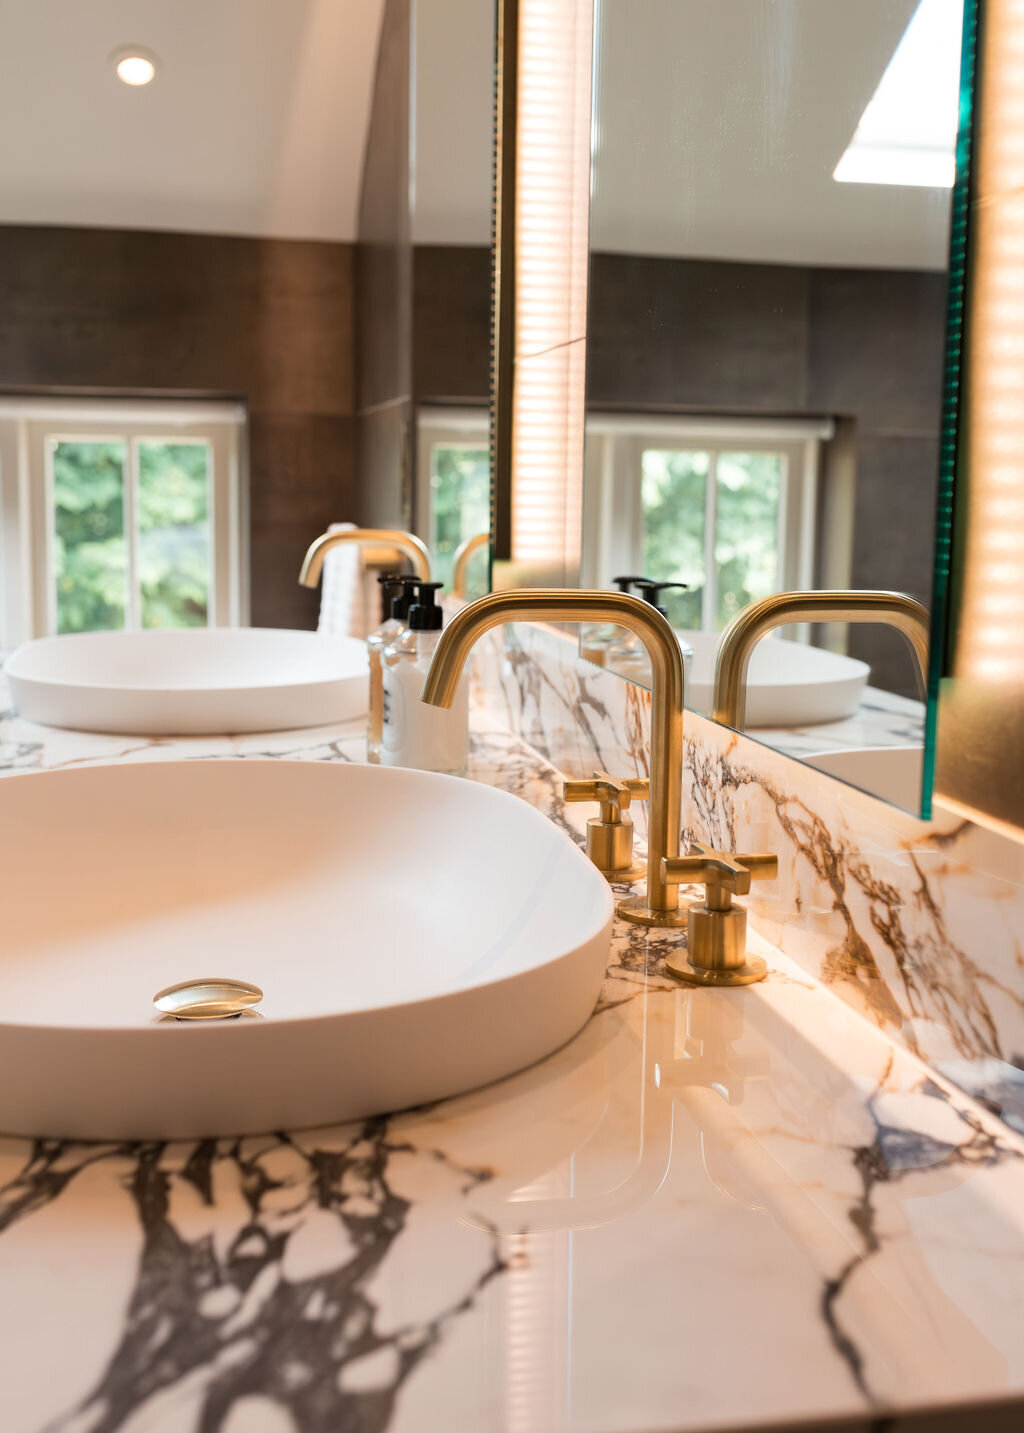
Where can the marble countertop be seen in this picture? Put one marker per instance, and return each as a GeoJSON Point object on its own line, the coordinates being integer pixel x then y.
{"type": "Point", "coordinates": [710, 1210]}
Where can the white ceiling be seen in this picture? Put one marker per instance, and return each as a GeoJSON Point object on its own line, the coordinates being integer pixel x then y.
{"type": "Point", "coordinates": [718, 126]}
{"type": "Point", "coordinates": [255, 124]}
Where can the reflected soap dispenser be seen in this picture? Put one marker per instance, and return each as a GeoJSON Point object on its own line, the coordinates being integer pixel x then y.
{"type": "Point", "coordinates": [651, 592]}
{"type": "Point", "coordinates": [397, 593]}
{"type": "Point", "coordinates": [414, 734]}
{"type": "Point", "coordinates": [597, 639]}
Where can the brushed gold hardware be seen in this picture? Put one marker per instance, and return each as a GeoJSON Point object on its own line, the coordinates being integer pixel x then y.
{"type": "Point", "coordinates": [660, 907]}
{"type": "Point", "coordinates": [610, 834]}
{"type": "Point", "coordinates": [212, 998]}
{"type": "Point", "coordinates": [405, 542]}
{"type": "Point", "coordinates": [716, 933]}
{"type": "Point", "coordinates": [460, 561]}
{"type": "Point", "coordinates": [747, 628]}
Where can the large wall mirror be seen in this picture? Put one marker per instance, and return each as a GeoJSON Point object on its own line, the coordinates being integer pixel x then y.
{"type": "Point", "coordinates": [767, 328]}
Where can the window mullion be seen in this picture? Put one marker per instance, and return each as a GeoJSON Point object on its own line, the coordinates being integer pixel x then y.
{"type": "Point", "coordinates": [709, 605]}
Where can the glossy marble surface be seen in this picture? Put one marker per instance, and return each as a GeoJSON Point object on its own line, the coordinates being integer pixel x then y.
{"type": "Point", "coordinates": [709, 1210]}
{"type": "Point", "coordinates": [919, 925]}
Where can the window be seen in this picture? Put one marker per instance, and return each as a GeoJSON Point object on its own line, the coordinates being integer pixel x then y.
{"type": "Point", "coordinates": [454, 488]}
{"type": "Point", "coordinates": [118, 516]}
{"type": "Point", "coordinates": [725, 506]}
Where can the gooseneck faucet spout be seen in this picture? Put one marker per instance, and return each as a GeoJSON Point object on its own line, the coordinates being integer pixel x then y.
{"type": "Point", "coordinates": [746, 629]}
{"type": "Point", "coordinates": [460, 561]}
{"type": "Point", "coordinates": [405, 542]}
{"type": "Point", "coordinates": [660, 906]}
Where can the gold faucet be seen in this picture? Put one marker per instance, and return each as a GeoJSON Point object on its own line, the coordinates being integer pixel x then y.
{"type": "Point", "coordinates": [460, 561]}
{"type": "Point", "coordinates": [749, 626]}
{"type": "Point", "coordinates": [405, 542]}
{"type": "Point", "coordinates": [660, 907]}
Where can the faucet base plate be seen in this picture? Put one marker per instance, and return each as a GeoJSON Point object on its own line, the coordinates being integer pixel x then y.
{"type": "Point", "coordinates": [637, 910]}
{"type": "Point", "coordinates": [750, 972]}
{"type": "Point", "coordinates": [623, 877]}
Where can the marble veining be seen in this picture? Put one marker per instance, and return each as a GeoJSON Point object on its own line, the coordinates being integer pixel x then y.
{"type": "Point", "coordinates": [711, 1209]}
{"type": "Point", "coordinates": [919, 925]}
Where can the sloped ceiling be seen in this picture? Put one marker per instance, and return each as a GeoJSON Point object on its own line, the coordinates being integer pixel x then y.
{"type": "Point", "coordinates": [255, 123]}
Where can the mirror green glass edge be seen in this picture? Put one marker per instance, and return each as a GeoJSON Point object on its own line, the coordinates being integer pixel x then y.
{"type": "Point", "coordinates": [959, 237]}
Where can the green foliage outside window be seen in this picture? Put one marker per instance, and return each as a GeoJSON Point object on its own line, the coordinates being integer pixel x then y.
{"type": "Point", "coordinates": [746, 543]}
{"type": "Point", "coordinates": [90, 559]}
{"type": "Point", "coordinates": [174, 534]}
{"type": "Point", "coordinates": [91, 554]}
{"type": "Point", "coordinates": [747, 530]}
{"type": "Point", "coordinates": [460, 481]}
{"type": "Point", "coordinates": [673, 494]}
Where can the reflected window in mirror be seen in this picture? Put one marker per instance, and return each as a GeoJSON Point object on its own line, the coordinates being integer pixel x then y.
{"type": "Point", "coordinates": [725, 507]}
{"type": "Point", "coordinates": [454, 489]}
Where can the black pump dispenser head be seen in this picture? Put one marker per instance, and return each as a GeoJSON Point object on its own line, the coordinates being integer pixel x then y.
{"type": "Point", "coordinates": [650, 591]}
{"type": "Point", "coordinates": [401, 590]}
{"type": "Point", "coordinates": [625, 583]}
{"type": "Point", "coordinates": [424, 614]}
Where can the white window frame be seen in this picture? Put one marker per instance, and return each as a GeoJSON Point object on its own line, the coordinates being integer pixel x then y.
{"type": "Point", "coordinates": [613, 516]}
{"type": "Point", "coordinates": [29, 431]}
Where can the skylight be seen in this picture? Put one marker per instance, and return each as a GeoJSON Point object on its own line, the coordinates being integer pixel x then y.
{"type": "Point", "coordinates": [907, 134]}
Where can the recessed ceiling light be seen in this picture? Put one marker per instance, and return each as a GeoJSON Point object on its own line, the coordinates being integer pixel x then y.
{"type": "Point", "coordinates": [907, 134]}
{"type": "Point", "coordinates": [134, 65]}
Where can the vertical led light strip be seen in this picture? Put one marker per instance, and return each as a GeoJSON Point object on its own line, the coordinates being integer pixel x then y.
{"type": "Point", "coordinates": [552, 212]}
{"type": "Point", "coordinates": [989, 648]}
{"type": "Point", "coordinates": [979, 753]}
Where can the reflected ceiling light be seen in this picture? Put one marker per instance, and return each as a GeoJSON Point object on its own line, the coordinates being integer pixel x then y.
{"type": "Point", "coordinates": [134, 65]}
{"type": "Point", "coordinates": [907, 134]}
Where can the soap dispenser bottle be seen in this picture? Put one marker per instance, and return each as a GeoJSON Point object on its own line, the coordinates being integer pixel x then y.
{"type": "Point", "coordinates": [414, 734]}
{"type": "Point", "coordinates": [397, 593]}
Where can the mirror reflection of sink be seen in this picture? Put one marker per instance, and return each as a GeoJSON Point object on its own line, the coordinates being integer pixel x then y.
{"type": "Point", "coordinates": [414, 936]}
{"type": "Point", "coordinates": [892, 772]}
{"type": "Point", "coordinates": [788, 683]}
{"type": "Point", "coordinates": [190, 681]}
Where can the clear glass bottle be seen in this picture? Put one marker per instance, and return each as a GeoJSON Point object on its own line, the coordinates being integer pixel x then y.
{"type": "Point", "coordinates": [413, 733]}
{"type": "Point", "coordinates": [396, 594]}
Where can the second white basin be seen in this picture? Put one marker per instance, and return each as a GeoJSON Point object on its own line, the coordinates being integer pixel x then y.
{"type": "Point", "coordinates": [191, 681]}
{"type": "Point", "coordinates": [893, 773]}
{"type": "Point", "coordinates": [414, 936]}
{"type": "Point", "coordinates": [789, 684]}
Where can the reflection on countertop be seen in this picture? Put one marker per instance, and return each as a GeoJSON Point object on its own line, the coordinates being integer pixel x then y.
{"type": "Point", "coordinates": [711, 1208]}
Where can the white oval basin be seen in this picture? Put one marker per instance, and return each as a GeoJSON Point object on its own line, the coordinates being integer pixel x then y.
{"type": "Point", "coordinates": [414, 936]}
{"type": "Point", "coordinates": [191, 681]}
{"type": "Point", "coordinates": [892, 772]}
{"type": "Point", "coordinates": [788, 683]}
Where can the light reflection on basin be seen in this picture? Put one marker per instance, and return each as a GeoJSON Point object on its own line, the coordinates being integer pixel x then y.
{"type": "Point", "coordinates": [414, 936]}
